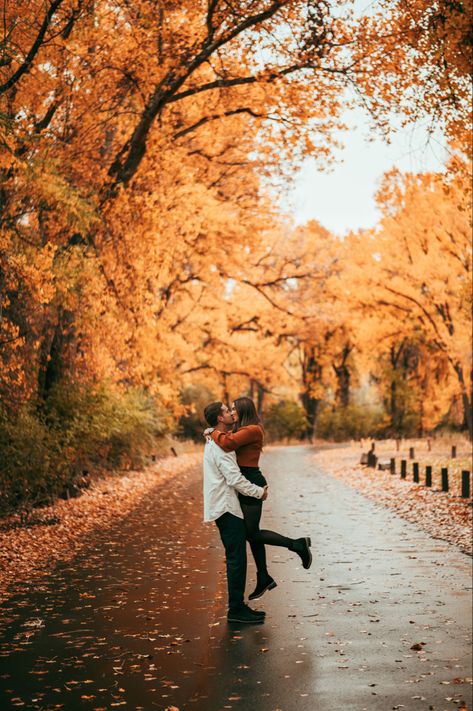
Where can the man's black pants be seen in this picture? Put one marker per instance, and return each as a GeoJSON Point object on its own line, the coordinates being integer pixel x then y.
{"type": "Point", "coordinates": [233, 534]}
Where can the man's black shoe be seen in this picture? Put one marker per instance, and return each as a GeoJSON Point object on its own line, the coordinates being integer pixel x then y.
{"type": "Point", "coordinates": [257, 613]}
{"type": "Point", "coordinates": [246, 616]}
{"type": "Point", "coordinates": [261, 586]}
{"type": "Point", "coordinates": [302, 548]}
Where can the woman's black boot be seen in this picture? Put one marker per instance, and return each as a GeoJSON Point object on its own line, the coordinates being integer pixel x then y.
{"type": "Point", "coordinates": [301, 546]}
{"type": "Point", "coordinates": [262, 584]}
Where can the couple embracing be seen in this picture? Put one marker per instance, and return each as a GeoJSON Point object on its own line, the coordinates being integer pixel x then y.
{"type": "Point", "coordinates": [234, 491]}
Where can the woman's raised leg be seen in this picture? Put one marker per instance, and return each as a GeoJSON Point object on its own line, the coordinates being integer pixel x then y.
{"type": "Point", "coordinates": [261, 537]}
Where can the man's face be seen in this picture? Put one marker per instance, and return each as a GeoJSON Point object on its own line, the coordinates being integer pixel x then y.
{"type": "Point", "coordinates": [226, 416]}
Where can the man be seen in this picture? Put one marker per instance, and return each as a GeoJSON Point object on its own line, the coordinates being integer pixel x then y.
{"type": "Point", "coordinates": [222, 480]}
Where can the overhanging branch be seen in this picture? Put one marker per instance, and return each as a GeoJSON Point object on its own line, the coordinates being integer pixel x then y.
{"type": "Point", "coordinates": [34, 49]}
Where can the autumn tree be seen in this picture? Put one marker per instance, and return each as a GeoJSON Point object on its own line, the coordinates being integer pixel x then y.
{"type": "Point", "coordinates": [413, 273]}
{"type": "Point", "coordinates": [139, 246]}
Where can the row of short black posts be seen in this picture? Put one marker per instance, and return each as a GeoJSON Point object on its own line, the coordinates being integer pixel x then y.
{"type": "Point", "coordinates": [466, 484]}
{"type": "Point", "coordinates": [372, 458]}
{"type": "Point", "coordinates": [428, 475]}
{"type": "Point", "coordinates": [444, 475]}
{"type": "Point", "coordinates": [466, 487]}
{"type": "Point", "coordinates": [403, 468]}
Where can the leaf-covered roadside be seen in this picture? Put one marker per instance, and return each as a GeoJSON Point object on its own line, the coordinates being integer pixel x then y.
{"type": "Point", "coordinates": [63, 529]}
{"type": "Point", "coordinates": [442, 515]}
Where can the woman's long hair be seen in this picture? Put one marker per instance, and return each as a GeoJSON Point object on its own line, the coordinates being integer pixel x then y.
{"type": "Point", "coordinates": [246, 410]}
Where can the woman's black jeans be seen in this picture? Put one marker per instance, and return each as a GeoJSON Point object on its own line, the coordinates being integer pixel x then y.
{"type": "Point", "coordinates": [257, 538]}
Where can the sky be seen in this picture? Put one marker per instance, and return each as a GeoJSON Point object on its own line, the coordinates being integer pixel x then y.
{"type": "Point", "coordinates": [344, 199]}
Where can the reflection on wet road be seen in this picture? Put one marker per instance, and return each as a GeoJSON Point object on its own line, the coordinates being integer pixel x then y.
{"type": "Point", "coordinates": [380, 621]}
{"type": "Point", "coordinates": [124, 624]}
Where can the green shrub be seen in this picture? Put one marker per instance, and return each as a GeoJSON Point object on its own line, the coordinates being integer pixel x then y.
{"type": "Point", "coordinates": [98, 425]}
{"type": "Point", "coordinates": [195, 398]}
{"type": "Point", "coordinates": [285, 420]}
{"type": "Point", "coordinates": [352, 422]}
{"type": "Point", "coordinates": [30, 469]}
{"type": "Point", "coordinates": [81, 427]}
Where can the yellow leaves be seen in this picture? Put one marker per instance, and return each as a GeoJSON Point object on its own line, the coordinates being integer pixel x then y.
{"type": "Point", "coordinates": [47, 185]}
{"type": "Point", "coordinates": [158, 274]}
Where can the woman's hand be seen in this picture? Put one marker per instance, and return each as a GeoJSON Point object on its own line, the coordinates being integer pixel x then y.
{"type": "Point", "coordinates": [265, 495]}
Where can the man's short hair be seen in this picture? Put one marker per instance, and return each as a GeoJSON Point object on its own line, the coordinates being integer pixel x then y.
{"type": "Point", "coordinates": [212, 413]}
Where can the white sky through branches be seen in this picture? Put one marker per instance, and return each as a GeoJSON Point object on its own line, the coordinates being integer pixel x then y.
{"type": "Point", "coordinates": [344, 198]}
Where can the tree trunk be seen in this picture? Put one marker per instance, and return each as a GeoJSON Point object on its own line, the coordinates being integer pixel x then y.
{"type": "Point", "coordinates": [342, 394]}
{"type": "Point", "coordinates": [393, 405]}
{"type": "Point", "coordinates": [466, 400]}
{"type": "Point", "coordinates": [343, 375]}
{"type": "Point", "coordinates": [55, 352]}
{"type": "Point", "coordinates": [311, 406]}
{"type": "Point", "coordinates": [260, 393]}
{"type": "Point", "coordinates": [225, 395]}
{"type": "Point", "coordinates": [311, 373]}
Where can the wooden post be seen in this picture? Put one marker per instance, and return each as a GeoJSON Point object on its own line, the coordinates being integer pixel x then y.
{"type": "Point", "coordinates": [393, 466]}
{"type": "Point", "coordinates": [454, 451]}
{"type": "Point", "coordinates": [398, 444]}
{"type": "Point", "coordinates": [372, 446]}
{"type": "Point", "coordinates": [415, 472]}
{"type": "Point", "coordinates": [444, 473]}
{"type": "Point", "coordinates": [428, 476]}
{"type": "Point", "coordinates": [372, 459]}
{"type": "Point", "coordinates": [411, 453]}
{"type": "Point", "coordinates": [429, 445]}
{"type": "Point", "coordinates": [403, 468]}
{"type": "Point", "coordinates": [465, 484]}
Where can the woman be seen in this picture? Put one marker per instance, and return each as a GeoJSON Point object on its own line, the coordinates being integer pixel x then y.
{"type": "Point", "coordinates": [247, 442]}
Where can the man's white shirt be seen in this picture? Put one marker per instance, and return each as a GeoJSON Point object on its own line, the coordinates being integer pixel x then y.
{"type": "Point", "coordinates": [222, 480]}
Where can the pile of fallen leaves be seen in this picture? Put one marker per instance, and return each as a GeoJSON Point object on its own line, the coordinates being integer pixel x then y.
{"type": "Point", "coordinates": [443, 515]}
{"type": "Point", "coordinates": [56, 533]}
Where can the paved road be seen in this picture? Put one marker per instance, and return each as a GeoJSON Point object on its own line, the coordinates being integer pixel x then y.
{"type": "Point", "coordinates": [138, 621]}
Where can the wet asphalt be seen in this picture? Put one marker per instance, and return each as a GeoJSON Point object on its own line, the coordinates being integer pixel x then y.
{"type": "Point", "coordinates": [381, 621]}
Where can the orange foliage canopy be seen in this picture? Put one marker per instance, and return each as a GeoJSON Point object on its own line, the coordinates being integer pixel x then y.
{"type": "Point", "coordinates": [138, 242]}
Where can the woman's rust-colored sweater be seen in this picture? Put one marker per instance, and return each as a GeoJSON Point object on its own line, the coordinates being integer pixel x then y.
{"type": "Point", "coordinates": [247, 442]}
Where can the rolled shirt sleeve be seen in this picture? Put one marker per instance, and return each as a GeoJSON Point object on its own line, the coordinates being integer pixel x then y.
{"type": "Point", "coordinates": [235, 478]}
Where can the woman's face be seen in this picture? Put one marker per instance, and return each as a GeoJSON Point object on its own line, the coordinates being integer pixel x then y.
{"type": "Point", "coordinates": [234, 412]}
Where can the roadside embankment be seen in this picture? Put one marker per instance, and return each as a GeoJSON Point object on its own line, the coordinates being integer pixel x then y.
{"type": "Point", "coordinates": [59, 531]}
{"type": "Point", "coordinates": [444, 515]}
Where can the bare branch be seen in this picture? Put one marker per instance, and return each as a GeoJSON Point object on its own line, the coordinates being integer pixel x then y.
{"type": "Point", "coordinates": [212, 6]}
{"type": "Point", "coordinates": [237, 81]}
{"type": "Point", "coordinates": [214, 117]}
{"type": "Point", "coordinates": [249, 325]}
{"type": "Point", "coordinates": [26, 66]}
{"type": "Point", "coordinates": [129, 158]}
